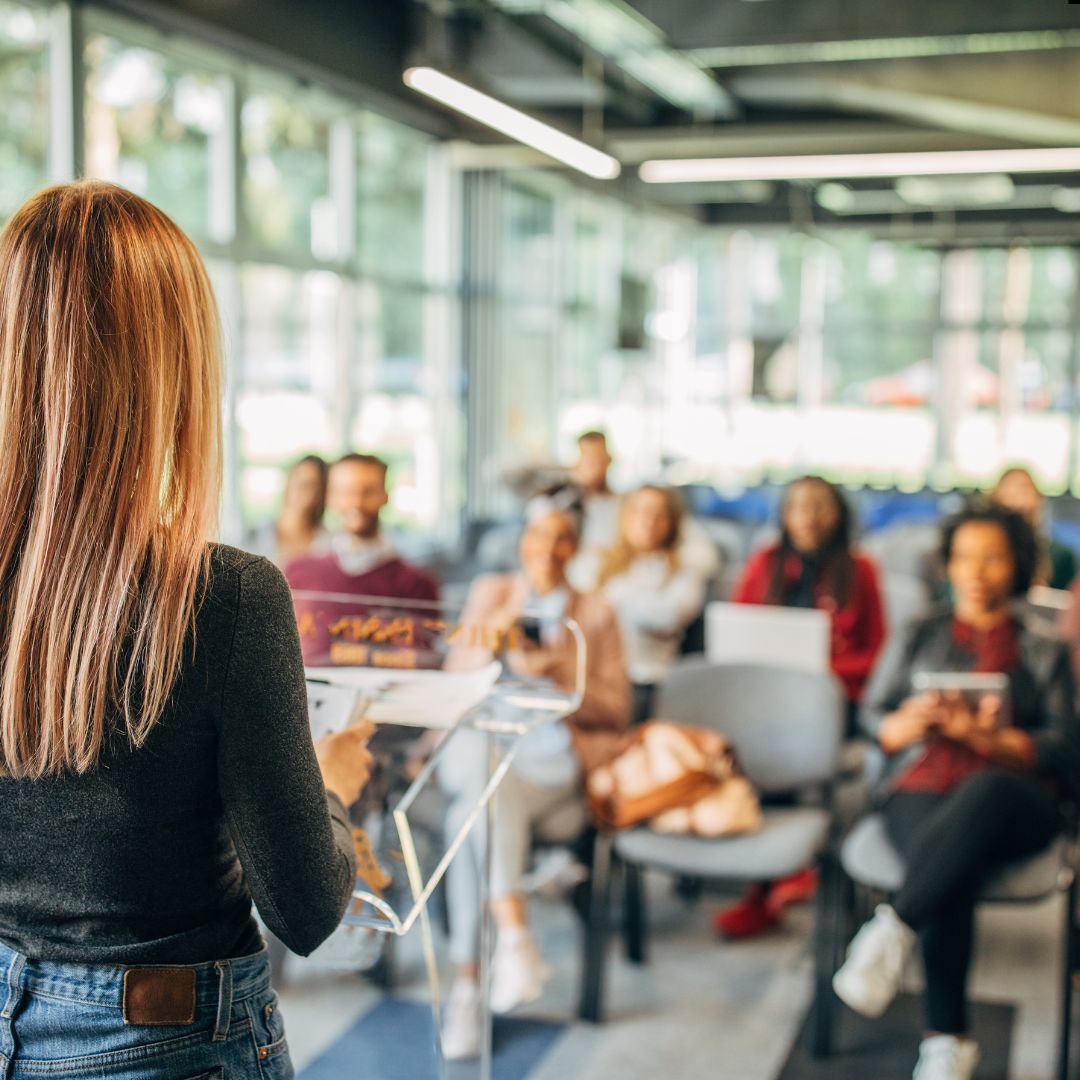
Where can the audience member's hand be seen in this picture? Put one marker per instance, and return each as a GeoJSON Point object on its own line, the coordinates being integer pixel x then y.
{"type": "Point", "coordinates": [916, 718]}
{"type": "Point", "coordinates": [990, 715]}
{"type": "Point", "coordinates": [961, 723]}
{"type": "Point", "coordinates": [345, 761]}
{"type": "Point", "coordinates": [533, 661]}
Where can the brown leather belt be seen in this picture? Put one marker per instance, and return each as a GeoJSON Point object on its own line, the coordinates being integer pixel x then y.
{"type": "Point", "coordinates": [159, 995]}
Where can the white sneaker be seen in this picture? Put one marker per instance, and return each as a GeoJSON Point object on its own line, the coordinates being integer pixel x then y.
{"type": "Point", "coordinates": [518, 972]}
{"type": "Point", "coordinates": [945, 1057]}
{"type": "Point", "coordinates": [870, 976]}
{"type": "Point", "coordinates": [461, 1021]}
{"type": "Point", "coordinates": [556, 872]}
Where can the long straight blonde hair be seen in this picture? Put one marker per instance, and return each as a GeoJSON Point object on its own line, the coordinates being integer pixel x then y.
{"type": "Point", "coordinates": [618, 558]}
{"type": "Point", "coordinates": [110, 470]}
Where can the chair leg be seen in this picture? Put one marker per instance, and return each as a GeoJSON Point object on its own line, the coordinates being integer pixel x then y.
{"type": "Point", "coordinates": [826, 933]}
{"type": "Point", "coordinates": [591, 1005]}
{"type": "Point", "coordinates": [635, 932]}
{"type": "Point", "coordinates": [846, 916]}
{"type": "Point", "coordinates": [1069, 966]}
{"type": "Point", "coordinates": [382, 972]}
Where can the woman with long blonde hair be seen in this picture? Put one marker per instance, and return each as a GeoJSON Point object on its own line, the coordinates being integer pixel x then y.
{"type": "Point", "coordinates": [655, 594]}
{"type": "Point", "coordinates": [156, 766]}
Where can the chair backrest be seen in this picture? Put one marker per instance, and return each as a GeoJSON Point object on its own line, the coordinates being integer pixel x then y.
{"type": "Point", "coordinates": [906, 598]}
{"type": "Point", "coordinates": [786, 725]}
{"type": "Point", "coordinates": [729, 536]}
{"type": "Point", "coordinates": [908, 548]}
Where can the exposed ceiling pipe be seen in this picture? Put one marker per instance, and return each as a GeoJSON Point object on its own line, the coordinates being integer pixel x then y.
{"type": "Point", "coordinates": [898, 48]}
{"type": "Point", "coordinates": [613, 29]}
{"type": "Point", "coordinates": [934, 110]}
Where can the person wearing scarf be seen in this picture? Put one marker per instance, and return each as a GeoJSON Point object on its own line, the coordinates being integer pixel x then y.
{"type": "Point", "coordinates": [813, 565]}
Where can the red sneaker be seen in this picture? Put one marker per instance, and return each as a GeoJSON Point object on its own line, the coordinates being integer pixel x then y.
{"type": "Point", "coordinates": [796, 889]}
{"type": "Point", "coordinates": [751, 916]}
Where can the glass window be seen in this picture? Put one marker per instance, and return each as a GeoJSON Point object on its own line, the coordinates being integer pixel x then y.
{"type": "Point", "coordinates": [775, 269]}
{"type": "Point", "coordinates": [286, 144]}
{"type": "Point", "coordinates": [392, 171]}
{"type": "Point", "coordinates": [149, 126]}
{"type": "Point", "coordinates": [880, 282]}
{"type": "Point", "coordinates": [1053, 289]}
{"type": "Point", "coordinates": [288, 400]}
{"type": "Point", "coordinates": [528, 243]}
{"type": "Point", "coordinates": [24, 104]}
{"type": "Point", "coordinates": [397, 396]}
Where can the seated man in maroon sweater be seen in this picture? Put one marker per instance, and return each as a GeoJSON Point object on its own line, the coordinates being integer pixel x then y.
{"type": "Point", "coordinates": [362, 562]}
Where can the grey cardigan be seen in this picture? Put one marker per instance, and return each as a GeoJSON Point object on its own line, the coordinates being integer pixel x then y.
{"type": "Point", "coordinates": [1042, 688]}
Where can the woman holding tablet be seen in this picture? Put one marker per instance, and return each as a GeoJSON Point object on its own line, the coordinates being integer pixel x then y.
{"type": "Point", "coordinates": [972, 781]}
{"type": "Point", "coordinates": [156, 766]}
{"type": "Point", "coordinates": [813, 565]}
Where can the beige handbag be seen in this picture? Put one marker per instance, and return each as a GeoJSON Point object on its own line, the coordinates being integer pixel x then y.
{"type": "Point", "coordinates": [678, 779]}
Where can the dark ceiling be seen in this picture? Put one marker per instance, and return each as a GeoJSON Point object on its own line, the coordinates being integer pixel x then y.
{"type": "Point", "coordinates": [694, 78]}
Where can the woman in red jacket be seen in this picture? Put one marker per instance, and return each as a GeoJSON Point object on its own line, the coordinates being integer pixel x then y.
{"type": "Point", "coordinates": [813, 565]}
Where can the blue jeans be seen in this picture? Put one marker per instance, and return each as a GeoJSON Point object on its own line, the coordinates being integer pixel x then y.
{"type": "Point", "coordinates": [67, 1020]}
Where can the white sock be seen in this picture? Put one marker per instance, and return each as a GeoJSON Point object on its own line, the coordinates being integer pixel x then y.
{"type": "Point", "coordinates": [515, 935]}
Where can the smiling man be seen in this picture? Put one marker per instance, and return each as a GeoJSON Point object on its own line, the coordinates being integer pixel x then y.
{"type": "Point", "coordinates": [362, 560]}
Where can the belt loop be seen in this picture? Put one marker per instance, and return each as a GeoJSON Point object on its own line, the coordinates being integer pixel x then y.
{"type": "Point", "coordinates": [224, 1005]}
{"type": "Point", "coordinates": [14, 974]}
{"type": "Point", "coordinates": [14, 993]}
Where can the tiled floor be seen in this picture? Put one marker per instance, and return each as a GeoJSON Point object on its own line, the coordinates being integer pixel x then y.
{"type": "Point", "coordinates": [700, 1010]}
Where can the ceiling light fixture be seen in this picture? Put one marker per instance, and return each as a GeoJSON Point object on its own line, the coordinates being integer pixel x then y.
{"type": "Point", "coordinates": [854, 166]}
{"type": "Point", "coordinates": [512, 122]}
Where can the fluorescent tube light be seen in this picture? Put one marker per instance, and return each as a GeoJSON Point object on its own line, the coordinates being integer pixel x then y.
{"type": "Point", "coordinates": [512, 122]}
{"type": "Point", "coordinates": [852, 166]}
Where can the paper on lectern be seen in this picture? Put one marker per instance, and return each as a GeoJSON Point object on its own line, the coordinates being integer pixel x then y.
{"type": "Point", "coordinates": [410, 698]}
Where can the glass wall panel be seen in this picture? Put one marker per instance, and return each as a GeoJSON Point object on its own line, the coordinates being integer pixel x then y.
{"type": "Point", "coordinates": [529, 252]}
{"type": "Point", "coordinates": [288, 399]}
{"type": "Point", "coordinates": [392, 172]}
{"type": "Point", "coordinates": [24, 104]}
{"type": "Point", "coordinates": [150, 124]}
{"type": "Point", "coordinates": [1009, 344]}
{"type": "Point", "coordinates": [397, 387]}
{"type": "Point", "coordinates": [286, 144]}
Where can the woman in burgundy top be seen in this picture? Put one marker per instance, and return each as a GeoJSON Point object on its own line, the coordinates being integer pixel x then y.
{"type": "Point", "coordinates": [966, 788]}
{"type": "Point", "coordinates": [812, 566]}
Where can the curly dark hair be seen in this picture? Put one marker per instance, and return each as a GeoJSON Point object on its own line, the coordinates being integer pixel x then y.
{"type": "Point", "coordinates": [1021, 537]}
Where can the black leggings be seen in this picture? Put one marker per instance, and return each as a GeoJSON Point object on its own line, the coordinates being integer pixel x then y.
{"type": "Point", "coordinates": [950, 842]}
{"type": "Point", "coordinates": [644, 700]}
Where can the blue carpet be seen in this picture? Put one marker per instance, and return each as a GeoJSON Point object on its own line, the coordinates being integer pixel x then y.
{"type": "Point", "coordinates": [395, 1041]}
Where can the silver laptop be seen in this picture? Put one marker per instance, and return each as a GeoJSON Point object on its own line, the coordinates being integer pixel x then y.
{"type": "Point", "coordinates": [797, 638]}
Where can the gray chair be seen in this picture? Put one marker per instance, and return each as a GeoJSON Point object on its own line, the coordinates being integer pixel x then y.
{"type": "Point", "coordinates": [909, 548]}
{"type": "Point", "coordinates": [786, 727]}
{"type": "Point", "coordinates": [906, 598]}
{"type": "Point", "coordinates": [869, 859]}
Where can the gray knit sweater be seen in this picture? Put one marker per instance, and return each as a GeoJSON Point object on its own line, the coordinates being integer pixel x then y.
{"type": "Point", "coordinates": [155, 856]}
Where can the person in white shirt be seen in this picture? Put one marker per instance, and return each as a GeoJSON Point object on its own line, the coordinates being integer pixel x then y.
{"type": "Point", "coordinates": [600, 526]}
{"type": "Point", "coordinates": [656, 595]}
